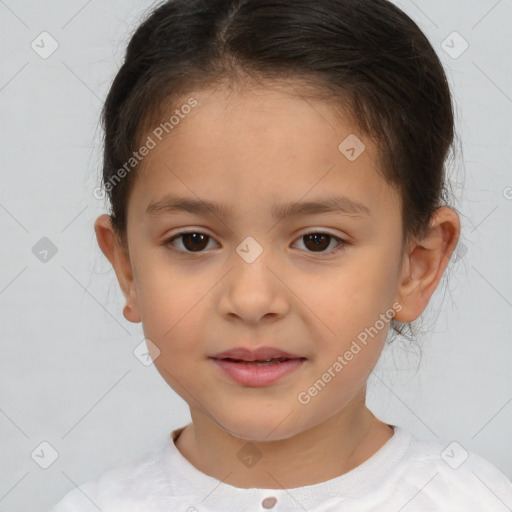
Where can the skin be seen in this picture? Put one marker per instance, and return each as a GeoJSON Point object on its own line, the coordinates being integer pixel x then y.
{"type": "Point", "coordinates": [248, 150]}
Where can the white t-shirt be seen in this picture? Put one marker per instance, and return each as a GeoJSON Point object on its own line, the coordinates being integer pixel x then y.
{"type": "Point", "coordinates": [406, 474]}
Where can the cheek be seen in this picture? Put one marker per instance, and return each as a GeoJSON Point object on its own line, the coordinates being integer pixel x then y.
{"type": "Point", "coordinates": [171, 311]}
{"type": "Point", "coordinates": [168, 298]}
{"type": "Point", "coordinates": [171, 323]}
{"type": "Point", "coordinates": [178, 352]}
{"type": "Point", "coordinates": [351, 307]}
{"type": "Point", "coordinates": [353, 296]}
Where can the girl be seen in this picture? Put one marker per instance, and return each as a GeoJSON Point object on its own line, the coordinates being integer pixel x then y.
{"type": "Point", "coordinates": [276, 177]}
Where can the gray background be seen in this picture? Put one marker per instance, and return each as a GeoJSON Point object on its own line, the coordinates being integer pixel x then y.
{"type": "Point", "coordinates": [68, 375]}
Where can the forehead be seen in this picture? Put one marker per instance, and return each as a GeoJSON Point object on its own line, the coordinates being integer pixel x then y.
{"type": "Point", "coordinates": [247, 147]}
{"type": "Point", "coordinates": [279, 116]}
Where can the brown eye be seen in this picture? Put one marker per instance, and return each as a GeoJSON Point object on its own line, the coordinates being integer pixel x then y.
{"type": "Point", "coordinates": [319, 242]}
{"type": "Point", "coordinates": [192, 242]}
{"type": "Point", "coordinates": [195, 241]}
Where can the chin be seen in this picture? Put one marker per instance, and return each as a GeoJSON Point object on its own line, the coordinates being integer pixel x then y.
{"type": "Point", "coordinates": [263, 429]}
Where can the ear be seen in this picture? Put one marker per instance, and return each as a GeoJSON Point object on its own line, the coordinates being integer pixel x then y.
{"type": "Point", "coordinates": [424, 263]}
{"type": "Point", "coordinates": [119, 257]}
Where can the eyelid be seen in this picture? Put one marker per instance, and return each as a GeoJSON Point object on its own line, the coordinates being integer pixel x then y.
{"type": "Point", "coordinates": [345, 238]}
{"type": "Point", "coordinates": [186, 231]}
{"type": "Point", "coordinates": [324, 231]}
{"type": "Point", "coordinates": [342, 240]}
{"type": "Point", "coordinates": [306, 231]}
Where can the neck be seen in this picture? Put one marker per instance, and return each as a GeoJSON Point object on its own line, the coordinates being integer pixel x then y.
{"type": "Point", "coordinates": [325, 451]}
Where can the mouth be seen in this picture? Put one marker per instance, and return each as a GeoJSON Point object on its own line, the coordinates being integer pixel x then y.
{"type": "Point", "coordinates": [259, 355]}
{"type": "Point", "coordinates": [257, 368]}
{"type": "Point", "coordinates": [266, 362]}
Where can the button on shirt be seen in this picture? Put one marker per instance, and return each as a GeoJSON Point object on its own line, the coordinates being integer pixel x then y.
{"type": "Point", "coordinates": [405, 474]}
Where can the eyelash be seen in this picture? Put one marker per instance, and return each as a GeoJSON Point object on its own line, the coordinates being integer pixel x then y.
{"type": "Point", "coordinates": [168, 242]}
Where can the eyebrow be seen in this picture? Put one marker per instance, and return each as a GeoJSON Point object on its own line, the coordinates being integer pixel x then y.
{"type": "Point", "coordinates": [330, 204]}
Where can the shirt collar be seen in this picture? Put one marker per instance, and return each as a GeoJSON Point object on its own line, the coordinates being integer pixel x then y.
{"type": "Point", "coordinates": [208, 493]}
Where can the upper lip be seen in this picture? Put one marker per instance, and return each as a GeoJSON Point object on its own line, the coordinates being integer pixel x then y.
{"type": "Point", "coordinates": [258, 354]}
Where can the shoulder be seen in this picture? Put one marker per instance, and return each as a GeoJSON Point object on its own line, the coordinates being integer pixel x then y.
{"type": "Point", "coordinates": [139, 482]}
{"type": "Point", "coordinates": [449, 474]}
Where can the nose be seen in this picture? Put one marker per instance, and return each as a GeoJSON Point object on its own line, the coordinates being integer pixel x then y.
{"type": "Point", "coordinates": [254, 290]}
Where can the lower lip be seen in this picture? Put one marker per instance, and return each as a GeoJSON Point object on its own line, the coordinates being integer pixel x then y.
{"type": "Point", "coordinates": [253, 375]}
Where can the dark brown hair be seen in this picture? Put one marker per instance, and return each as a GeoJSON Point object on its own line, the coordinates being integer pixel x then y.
{"type": "Point", "coordinates": [367, 56]}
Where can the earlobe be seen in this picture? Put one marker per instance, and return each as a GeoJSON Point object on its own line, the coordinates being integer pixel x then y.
{"type": "Point", "coordinates": [132, 315]}
{"type": "Point", "coordinates": [119, 258]}
{"type": "Point", "coordinates": [426, 262]}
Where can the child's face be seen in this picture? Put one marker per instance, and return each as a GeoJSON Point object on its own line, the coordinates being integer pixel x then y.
{"type": "Point", "coordinates": [250, 152]}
